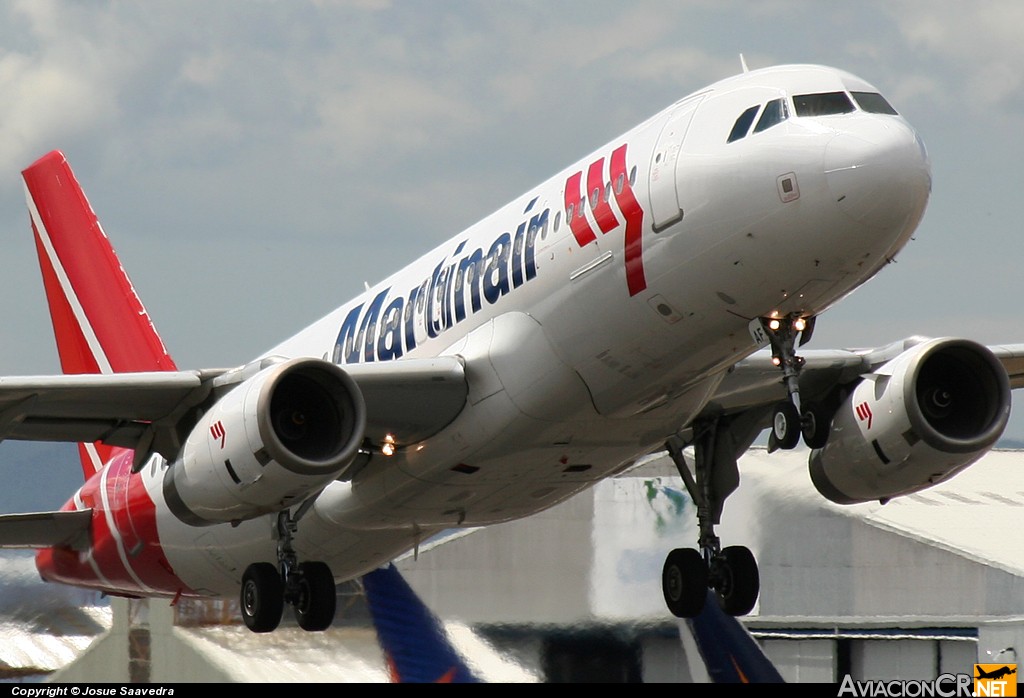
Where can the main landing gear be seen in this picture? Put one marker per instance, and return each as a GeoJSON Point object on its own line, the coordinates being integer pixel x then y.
{"type": "Point", "coordinates": [731, 571]}
{"type": "Point", "coordinates": [790, 419]}
{"type": "Point", "coordinates": [307, 586]}
{"type": "Point", "coordinates": [718, 442]}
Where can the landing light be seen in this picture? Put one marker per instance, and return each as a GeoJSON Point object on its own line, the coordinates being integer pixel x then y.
{"type": "Point", "coordinates": [388, 447]}
{"type": "Point", "coordinates": [799, 324]}
{"type": "Point", "coordinates": [774, 324]}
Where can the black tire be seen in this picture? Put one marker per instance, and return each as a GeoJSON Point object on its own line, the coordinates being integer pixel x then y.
{"type": "Point", "coordinates": [315, 605]}
{"type": "Point", "coordinates": [786, 425]}
{"type": "Point", "coordinates": [816, 425]}
{"type": "Point", "coordinates": [262, 597]}
{"type": "Point", "coordinates": [738, 580]}
{"type": "Point", "coordinates": [684, 582]}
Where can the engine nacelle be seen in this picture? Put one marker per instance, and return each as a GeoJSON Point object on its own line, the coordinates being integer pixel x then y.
{"type": "Point", "coordinates": [269, 443]}
{"type": "Point", "coordinates": [916, 421]}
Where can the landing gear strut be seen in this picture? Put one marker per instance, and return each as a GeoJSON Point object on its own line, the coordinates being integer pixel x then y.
{"type": "Point", "coordinates": [732, 571]}
{"type": "Point", "coordinates": [307, 586]}
{"type": "Point", "coordinates": [790, 419]}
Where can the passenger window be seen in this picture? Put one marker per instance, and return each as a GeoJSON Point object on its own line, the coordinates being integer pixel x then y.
{"type": "Point", "coordinates": [742, 125]}
{"type": "Point", "coordinates": [822, 104]}
{"type": "Point", "coordinates": [873, 103]}
{"type": "Point", "coordinates": [774, 112]}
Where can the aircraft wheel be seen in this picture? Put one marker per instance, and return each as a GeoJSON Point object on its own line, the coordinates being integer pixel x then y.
{"type": "Point", "coordinates": [816, 423]}
{"type": "Point", "coordinates": [262, 597]}
{"type": "Point", "coordinates": [684, 582]}
{"type": "Point", "coordinates": [738, 580]}
{"type": "Point", "coordinates": [315, 605]}
{"type": "Point", "coordinates": [786, 425]}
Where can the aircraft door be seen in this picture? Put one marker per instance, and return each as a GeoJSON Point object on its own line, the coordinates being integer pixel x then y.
{"type": "Point", "coordinates": [665, 207]}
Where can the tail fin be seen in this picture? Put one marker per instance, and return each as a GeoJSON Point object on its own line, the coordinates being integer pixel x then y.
{"type": "Point", "coordinates": [730, 654]}
{"type": "Point", "coordinates": [98, 320]}
{"type": "Point", "coordinates": [415, 645]}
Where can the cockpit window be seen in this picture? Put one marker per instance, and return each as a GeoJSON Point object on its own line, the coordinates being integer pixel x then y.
{"type": "Point", "coordinates": [873, 103]}
{"type": "Point", "coordinates": [822, 104]}
{"type": "Point", "coordinates": [774, 112]}
{"type": "Point", "coordinates": [742, 125]}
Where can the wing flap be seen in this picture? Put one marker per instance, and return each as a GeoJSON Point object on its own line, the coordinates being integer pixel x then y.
{"type": "Point", "coordinates": [46, 529]}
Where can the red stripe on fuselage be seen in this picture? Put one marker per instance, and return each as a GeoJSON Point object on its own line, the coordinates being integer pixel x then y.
{"type": "Point", "coordinates": [596, 186]}
{"type": "Point", "coordinates": [634, 214]}
{"type": "Point", "coordinates": [129, 557]}
{"type": "Point", "coordinates": [575, 211]}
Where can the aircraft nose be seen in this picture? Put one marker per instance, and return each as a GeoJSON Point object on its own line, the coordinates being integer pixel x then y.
{"type": "Point", "coordinates": [879, 173]}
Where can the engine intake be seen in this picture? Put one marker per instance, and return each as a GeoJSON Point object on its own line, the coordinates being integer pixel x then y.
{"type": "Point", "coordinates": [916, 421]}
{"type": "Point", "coordinates": [273, 440]}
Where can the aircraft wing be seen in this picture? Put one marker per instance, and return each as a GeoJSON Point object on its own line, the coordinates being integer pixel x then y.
{"type": "Point", "coordinates": [410, 398]}
{"type": "Point", "coordinates": [113, 408]}
{"type": "Point", "coordinates": [1011, 356]}
{"type": "Point", "coordinates": [757, 381]}
{"type": "Point", "coordinates": [45, 529]}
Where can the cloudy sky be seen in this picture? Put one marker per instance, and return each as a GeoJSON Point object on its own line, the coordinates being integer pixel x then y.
{"type": "Point", "coordinates": [255, 162]}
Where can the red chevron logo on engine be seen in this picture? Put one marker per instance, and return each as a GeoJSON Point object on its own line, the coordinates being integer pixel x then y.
{"type": "Point", "coordinates": [864, 413]}
{"type": "Point", "coordinates": [217, 431]}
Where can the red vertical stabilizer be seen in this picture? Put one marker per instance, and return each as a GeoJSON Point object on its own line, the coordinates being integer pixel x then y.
{"type": "Point", "coordinates": [99, 322]}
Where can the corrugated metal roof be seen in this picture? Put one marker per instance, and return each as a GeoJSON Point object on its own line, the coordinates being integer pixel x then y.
{"type": "Point", "coordinates": [978, 514]}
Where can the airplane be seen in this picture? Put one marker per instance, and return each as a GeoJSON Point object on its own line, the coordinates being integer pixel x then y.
{"type": "Point", "coordinates": [995, 673]}
{"type": "Point", "coordinates": [651, 296]}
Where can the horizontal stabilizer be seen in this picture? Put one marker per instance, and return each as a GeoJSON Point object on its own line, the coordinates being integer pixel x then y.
{"type": "Point", "coordinates": [46, 529]}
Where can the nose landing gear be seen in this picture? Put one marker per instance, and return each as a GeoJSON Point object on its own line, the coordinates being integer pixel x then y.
{"type": "Point", "coordinates": [790, 419]}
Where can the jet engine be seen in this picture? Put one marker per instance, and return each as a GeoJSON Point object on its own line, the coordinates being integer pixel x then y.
{"type": "Point", "coordinates": [919, 419]}
{"type": "Point", "coordinates": [272, 441]}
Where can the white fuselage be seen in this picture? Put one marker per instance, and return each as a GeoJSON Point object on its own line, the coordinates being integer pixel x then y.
{"type": "Point", "coordinates": [589, 340]}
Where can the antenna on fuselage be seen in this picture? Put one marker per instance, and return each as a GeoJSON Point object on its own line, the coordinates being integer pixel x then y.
{"type": "Point", "coordinates": [743, 62]}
